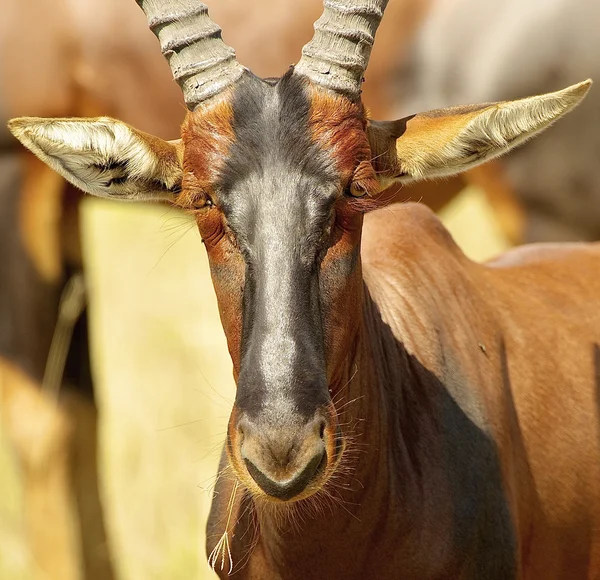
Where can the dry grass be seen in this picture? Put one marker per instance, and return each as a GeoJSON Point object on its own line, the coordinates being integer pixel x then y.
{"type": "Point", "coordinates": [15, 563]}
{"type": "Point", "coordinates": [164, 386]}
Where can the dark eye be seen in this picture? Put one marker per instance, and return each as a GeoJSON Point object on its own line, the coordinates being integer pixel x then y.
{"type": "Point", "coordinates": [196, 196]}
{"type": "Point", "coordinates": [355, 190]}
{"type": "Point", "coordinates": [203, 201]}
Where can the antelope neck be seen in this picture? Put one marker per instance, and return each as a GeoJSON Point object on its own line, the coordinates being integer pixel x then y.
{"type": "Point", "coordinates": [381, 490]}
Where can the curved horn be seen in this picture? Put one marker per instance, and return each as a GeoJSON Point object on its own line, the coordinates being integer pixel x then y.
{"type": "Point", "coordinates": [202, 64]}
{"type": "Point", "coordinates": [338, 54]}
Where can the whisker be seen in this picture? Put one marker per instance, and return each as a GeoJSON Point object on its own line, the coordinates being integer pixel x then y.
{"type": "Point", "coordinates": [339, 392]}
{"type": "Point", "coordinates": [218, 446]}
{"type": "Point", "coordinates": [349, 403]}
{"type": "Point", "coordinates": [221, 396]}
{"type": "Point", "coordinates": [186, 230]}
{"type": "Point", "coordinates": [214, 479]}
{"type": "Point", "coordinates": [181, 425]}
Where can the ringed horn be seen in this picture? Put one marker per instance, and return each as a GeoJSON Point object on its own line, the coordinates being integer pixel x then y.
{"type": "Point", "coordinates": [202, 64]}
{"type": "Point", "coordinates": [337, 56]}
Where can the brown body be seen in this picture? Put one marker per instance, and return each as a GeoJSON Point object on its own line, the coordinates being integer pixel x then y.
{"type": "Point", "coordinates": [487, 442]}
{"type": "Point", "coordinates": [513, 345]}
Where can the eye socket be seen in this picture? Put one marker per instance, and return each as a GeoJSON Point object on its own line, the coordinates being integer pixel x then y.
{"type": "Point", "coordinates": [203, 201]}
{"type": "Point", "coordinates": [364, 181]}
{"type": "Point", "coordinates": [355, 190]}
{"type": "Point", "coordinates": [195, 195]}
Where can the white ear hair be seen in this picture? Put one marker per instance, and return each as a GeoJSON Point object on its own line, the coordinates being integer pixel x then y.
{"type": "Point", "coordinates": [448, 141]}
{"type": "Point", "coordinates": [103, 156]}
{"type": "Point", "coordinates": [503, 126]}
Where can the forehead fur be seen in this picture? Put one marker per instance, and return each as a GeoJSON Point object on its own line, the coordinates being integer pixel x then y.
{"type": "Point", "coordinates": [261, 126]}
{"type": "Point", "coordinates": [338, 125]}
{"type": "Point", "coordinates": [208, 135]}
{"type": "Point", "coordinates": [271, 123]}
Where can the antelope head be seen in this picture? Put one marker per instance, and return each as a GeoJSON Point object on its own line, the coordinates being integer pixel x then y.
{"type": "Point", "coordinates": [278, 174]}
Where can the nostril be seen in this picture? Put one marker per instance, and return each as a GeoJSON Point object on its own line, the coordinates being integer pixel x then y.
{"type": "Point", "coordinates": [242, 429]}
{"type": "Point", "coordinates": [241, 426]}
{"type": "Point", "coordinates": [322, 429]}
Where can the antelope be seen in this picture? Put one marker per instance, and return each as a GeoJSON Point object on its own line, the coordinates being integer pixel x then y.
{"type": "Point", "coordinates": [401, 412]}
{"type": "Point", "coordinates": [47, 410]}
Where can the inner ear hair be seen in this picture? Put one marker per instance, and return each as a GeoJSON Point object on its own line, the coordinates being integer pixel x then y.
{"type": "Point", "coordinates": [105, 157]}
{"type": "Point", "coordinates": [448, 141]}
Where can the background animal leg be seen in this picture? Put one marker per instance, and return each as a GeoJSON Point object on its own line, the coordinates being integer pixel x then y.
{"type": "Point", "coordinates": [96, 558]}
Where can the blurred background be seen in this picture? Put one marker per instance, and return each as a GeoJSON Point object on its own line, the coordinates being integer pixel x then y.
{"type": "Point", "coordinates": [106, 468]}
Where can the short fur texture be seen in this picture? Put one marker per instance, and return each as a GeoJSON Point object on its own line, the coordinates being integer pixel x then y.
{"type": "Point", "coordinates": [395, 401]}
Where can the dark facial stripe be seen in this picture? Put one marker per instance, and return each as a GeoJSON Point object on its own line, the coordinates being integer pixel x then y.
{"type": "Point", "coordinates": [277, 190]}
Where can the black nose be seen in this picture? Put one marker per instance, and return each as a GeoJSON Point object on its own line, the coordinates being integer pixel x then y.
{"type": "Point", "coordinates": [288, 488]}
{"type": "Point", "coordinates": [283, 458]}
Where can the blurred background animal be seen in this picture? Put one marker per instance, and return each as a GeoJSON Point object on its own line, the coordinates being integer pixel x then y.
{"type": "Point", "coordinates": [82, 59]}
{"type": "Point", "coordinates": [477, 51]}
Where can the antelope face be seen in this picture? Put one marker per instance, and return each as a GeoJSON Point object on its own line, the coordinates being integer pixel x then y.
{"type": "Point", "coordinates": [278, 175]}
{"type": "Point", "coordinates": [282, 231]}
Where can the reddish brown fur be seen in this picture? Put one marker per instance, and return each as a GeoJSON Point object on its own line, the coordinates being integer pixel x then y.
{"type": "Point", "coordinates": [543, 413]}
{"type": "Point", "coordinates": [207, 135]}
{"type": "Point", "coordinates": [338, 126]}
{"type": "Point", "coordinates": [227, 271]}
{"type": "Point", "coordinates": [345, 295]}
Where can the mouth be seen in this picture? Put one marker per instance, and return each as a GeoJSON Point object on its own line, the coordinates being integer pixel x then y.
{"type": "Point", "coordinates": [300, 480]}
{"type": "Point", "coordinates": [293, 488]}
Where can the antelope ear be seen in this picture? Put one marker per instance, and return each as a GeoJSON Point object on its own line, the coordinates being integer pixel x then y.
{"type": "Point", "coordinates": [105, 157]}
{"type": "Point", "coordinates": [448, 141]}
